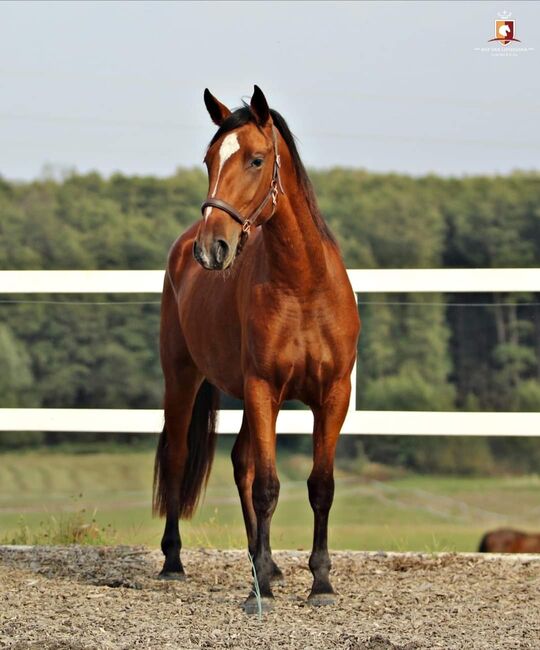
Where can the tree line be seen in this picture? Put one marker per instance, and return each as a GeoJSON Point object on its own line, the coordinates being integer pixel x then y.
{"type": "Point", "coordinates": [417, 351]}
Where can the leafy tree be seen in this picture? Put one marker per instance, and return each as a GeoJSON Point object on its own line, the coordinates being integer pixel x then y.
{"type": "Point", "coordinates": [417, 351]}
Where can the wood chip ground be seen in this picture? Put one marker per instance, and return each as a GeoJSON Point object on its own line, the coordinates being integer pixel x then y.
{"type": "Point", "coordinates": [82, 598]}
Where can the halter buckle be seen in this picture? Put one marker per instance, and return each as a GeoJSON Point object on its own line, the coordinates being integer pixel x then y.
{"type": "Point", "coordinates": [246, 226]}
{"type": "Point", "coordinates": [274, 193]}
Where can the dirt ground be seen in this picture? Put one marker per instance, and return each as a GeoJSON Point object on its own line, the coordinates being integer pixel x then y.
{"type": "Point", "coordinates": [79, 598]}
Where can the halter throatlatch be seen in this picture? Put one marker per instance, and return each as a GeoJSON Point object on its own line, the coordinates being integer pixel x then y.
{"type": "Point", "coordinates": [275, 188]}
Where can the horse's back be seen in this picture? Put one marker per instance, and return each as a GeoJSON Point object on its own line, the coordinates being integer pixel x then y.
{"type": "Point", "coordinates": [507, 540]}
{"type": "Point", "coordinates": [500, 541]}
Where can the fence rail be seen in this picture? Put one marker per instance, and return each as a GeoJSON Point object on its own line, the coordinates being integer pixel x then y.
{"type": "Point", "coordinates": [404, 423]}
{"type": "Point", "coordinates": [357, 422]}
{"type": "Point", "coordinates": [363, 281]}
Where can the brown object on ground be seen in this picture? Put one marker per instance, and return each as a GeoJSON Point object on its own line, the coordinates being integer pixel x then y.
{"type": "Point", "coordinates": [84, 597]}
{"type": "Point", "coordinates": [507, 540]}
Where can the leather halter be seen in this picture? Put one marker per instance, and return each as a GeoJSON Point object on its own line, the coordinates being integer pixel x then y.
{"type": "Point", "coordinates": [275, 188]}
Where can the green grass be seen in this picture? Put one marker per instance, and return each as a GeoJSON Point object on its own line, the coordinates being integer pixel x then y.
{"type": "Point", "coordinates": [104, 497]}
{"type": "Point", "coordinates": [77, 527]}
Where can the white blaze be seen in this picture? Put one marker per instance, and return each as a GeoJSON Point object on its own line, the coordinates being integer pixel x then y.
{"type": "Point", "coordinates": [229, 146]}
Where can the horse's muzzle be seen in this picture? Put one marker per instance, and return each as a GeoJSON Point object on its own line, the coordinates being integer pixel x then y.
{"type": "Point", "coordinates": [216, 258]}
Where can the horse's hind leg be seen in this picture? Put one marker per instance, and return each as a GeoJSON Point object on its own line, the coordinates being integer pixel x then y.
{"type": "Point", "coordinates": [244, 473]}
{"type": "Point", "coordinates": [328, 421]}
{"type": "Point", "coordinates": [182, 382]}
{"type": "Point", "coordinates": [180, 391]}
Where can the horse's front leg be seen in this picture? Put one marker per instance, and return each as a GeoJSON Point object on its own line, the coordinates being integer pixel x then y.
{"type": "Point", "coordinates": [329, 419]}
{"type": "Point", "coordinates": [244, 473]}
{"type": "Point", "coordinates": [261, 409]}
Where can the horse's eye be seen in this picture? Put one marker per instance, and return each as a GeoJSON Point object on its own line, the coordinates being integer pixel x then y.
{"type": "Point", "coordinates": [257, 162]}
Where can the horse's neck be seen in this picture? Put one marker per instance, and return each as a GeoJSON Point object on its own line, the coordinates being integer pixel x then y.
{"type": "Point", "coordinates": [294, 246]}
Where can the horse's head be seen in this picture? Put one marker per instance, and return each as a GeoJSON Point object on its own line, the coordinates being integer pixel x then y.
{"type": "Point", "coordinates": [243, 173]}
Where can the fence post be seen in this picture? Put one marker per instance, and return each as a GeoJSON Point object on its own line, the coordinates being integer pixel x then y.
{"type": "Point", "coordinates": [352, 402]}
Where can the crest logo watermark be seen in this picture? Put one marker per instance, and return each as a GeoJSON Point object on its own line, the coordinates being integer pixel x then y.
{"type": "Point", "coordinates": [505, 30]}
{"type": "Point", "coordinates": [505, 34]}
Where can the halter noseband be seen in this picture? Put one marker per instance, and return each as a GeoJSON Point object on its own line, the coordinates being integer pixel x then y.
{"type": "Point", "coordinates": [275, 188]}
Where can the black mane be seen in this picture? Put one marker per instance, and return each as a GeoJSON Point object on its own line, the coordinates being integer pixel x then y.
{"type": "Point", "coordinates": [242, 116]}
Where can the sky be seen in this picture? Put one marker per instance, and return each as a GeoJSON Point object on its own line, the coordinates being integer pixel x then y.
{"type": "Point", "coordinates": [385, 86]}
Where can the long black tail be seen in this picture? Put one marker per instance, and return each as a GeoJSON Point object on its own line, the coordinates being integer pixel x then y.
{"type": "Point", "coordinates": [197, 466]}
{"type": "Point", "coordinates": [483, 548]}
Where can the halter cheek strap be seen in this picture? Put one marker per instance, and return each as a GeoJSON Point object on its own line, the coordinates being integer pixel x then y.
{"type": "Point", "coordinates": [272, 195]}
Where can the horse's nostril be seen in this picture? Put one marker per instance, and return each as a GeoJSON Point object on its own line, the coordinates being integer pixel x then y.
{"type": "Point", "coordinates": [220, 249]}
{"type": "Point", "coordinates": [197, 252]}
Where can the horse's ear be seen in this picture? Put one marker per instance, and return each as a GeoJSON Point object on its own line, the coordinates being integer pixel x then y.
{"type": "Point", "coordinates": [218, 111]}
{"type": "Point", "coordinates": [259, 106]}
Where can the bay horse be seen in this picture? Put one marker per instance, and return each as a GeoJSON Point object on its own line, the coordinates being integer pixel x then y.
{"type": "Point", "coordinates": [256, 303]}
{"type": "Point", "coordinates": [507, 540]}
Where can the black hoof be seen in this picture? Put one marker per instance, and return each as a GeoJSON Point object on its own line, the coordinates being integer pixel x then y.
{"type": "Point", "coordinates": [254, 606]}
{"type": "Point", "coordinates": [277, 574]}
{"type": "Point", "coordinates": [321, 600]}
{"type": "Point", "coordinates": [179, 576]}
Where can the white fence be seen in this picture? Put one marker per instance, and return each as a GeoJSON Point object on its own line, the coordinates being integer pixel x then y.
{"type": "Point", "coordinates": [357, 422]}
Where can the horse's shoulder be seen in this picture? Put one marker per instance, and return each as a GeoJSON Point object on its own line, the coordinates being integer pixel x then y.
{"type": "Point", "coordinates": [181, 248]}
